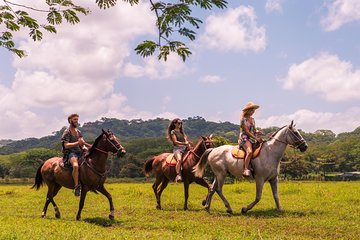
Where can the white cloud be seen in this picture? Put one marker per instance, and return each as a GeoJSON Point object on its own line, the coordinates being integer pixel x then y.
{"type": "Point", "coordinates": [326, 75]}
{"type": "Point", "coordinates": [234, 30]}
{"type": "Point", "coordinates": [72, 71]}
{"type": "Point", "coordinates": [273, 6]}
{"type": "Point", "coordinates": [211, 79]}
{"type": "Point", "coordinates": [155, 69]}
{"type": "Point", "coordinates": [310, 121]}
{"type": "Point", "coordinates": [340, 12]}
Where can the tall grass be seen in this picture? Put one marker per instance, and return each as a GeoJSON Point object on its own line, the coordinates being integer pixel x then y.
{"type": "Point", "coordinates": [313, 210]}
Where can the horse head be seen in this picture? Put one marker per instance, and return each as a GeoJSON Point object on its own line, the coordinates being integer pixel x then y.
{"type": "Point", "coordinates": [207, 142]}
{"type": "Point", "coordinates": [294, 138]}
{"type": "Point", "coordinates": [113, 145]}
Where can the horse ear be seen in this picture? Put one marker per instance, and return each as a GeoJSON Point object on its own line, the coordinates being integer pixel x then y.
{"type": "Point", "coordinates": [211, 135]}
{"type": "Point", "coordinates": [291, 124]}
{"type": "Point", "coordinates": [103, 130]}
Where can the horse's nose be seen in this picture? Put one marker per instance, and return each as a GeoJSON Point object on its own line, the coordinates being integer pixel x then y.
{"type": "Point", "coordinates": [303, 147]}
{"type": "Point", "coordinates": [121, 153]}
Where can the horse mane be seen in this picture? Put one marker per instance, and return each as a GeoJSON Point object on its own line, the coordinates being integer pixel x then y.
{"type": "Point", "coordinates": [274, 133]}
{"type": "Point", "coordinates": [92, 149]}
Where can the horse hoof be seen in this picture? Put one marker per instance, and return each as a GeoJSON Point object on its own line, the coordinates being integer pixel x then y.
{"type": "Point", "coordinates": [229, 211]}
{"type": "Point", "coordinates": [207, 209]}
{"type": "Point", "coordinates": [185, 209]}
{"type": "Point", "coordinates": [243, 210]}
{"type": "Point", "coordinates": [111, 217]}
{"type": "Point", "coordinates": [158, 207]}
{"type": "Point", "coordinates": [203, 202]}
{"type": "Point", "coordinates": [57, 215]}
{"type": "Point", "coordinates": [78, 218]}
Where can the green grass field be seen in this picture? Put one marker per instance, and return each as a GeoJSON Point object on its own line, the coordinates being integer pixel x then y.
{"type": "Point", "coordinates": [313, 210]}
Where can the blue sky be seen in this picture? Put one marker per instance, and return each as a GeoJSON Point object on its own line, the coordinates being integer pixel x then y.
{"type": "Point", "coordinates": [297, 59]}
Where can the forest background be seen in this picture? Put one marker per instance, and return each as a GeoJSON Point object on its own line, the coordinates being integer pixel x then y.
{"type": "Point", "coordinates": [328, 154]}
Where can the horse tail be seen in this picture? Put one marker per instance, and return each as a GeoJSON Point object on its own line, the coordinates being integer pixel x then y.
{"type": "Point", "coordinates": [148, 166]}
{"type": "Point", "coordinates": [38, 178]}
{"type": "Point", "coordinates": [200, 166]}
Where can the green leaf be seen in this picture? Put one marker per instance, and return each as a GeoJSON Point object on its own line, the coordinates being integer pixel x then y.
{"type": "Point", "coordinates": [49, 28]}
{"type": "Point", "coordinates": [35, 34]}
{"type": "Point", "coordinates": [106, 3]}
{"type": "Point", "coordinates": [27, 21]}
{"type": "Point", "coordinates": [187, 33]}
{"type": "Point", "coordinates": [12, 26]}
{"type": "Point", "coordinates": [146, 48]}
{"type": "Point", "coordinates": [6, 36]}
{"type": "Point", "coordinates": [20, 53]}
{"type": "Point", "coordinates": [71, 16]}
{"type": "Point", "coordinates": [7, 15]}
{"type": "Point", "coordinates": [54, 17]}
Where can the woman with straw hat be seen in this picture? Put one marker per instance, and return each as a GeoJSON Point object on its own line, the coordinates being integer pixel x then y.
{"type": "Point", "coordinates": [248, 134]}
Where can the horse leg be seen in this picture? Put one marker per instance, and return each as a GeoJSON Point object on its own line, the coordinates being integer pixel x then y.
{"type": "Point", "coordinates": [162, 187]}
{"type": "Point", "coordinates": [219, 191]}
{"type": "Point", "coordinates": [155, 187]}
{"type": "Point", "coordinates": [109, 197]}
{"type": "Point", "coordinates": [186, 194]}
{"type": "Point", "coordinates": [203, 183]}
{"type": "Point", "coordinates": [81, 203]}
{"type": "Point", "coordinates": [56, 208]}
{"type": "Point", "coordinates": [274, 189]}
{"type": "Point", "coordinates": [259, 188]}
{"type": "Point", "coordinates": [211, 193]}
{"type": "Point", "coordinates": [49, 197]}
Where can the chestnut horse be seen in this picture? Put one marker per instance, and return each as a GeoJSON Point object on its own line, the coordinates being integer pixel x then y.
{"type": "Point", "coordinates": [92, 173]}
{"type": "Point", "coordinates": [164, 172]}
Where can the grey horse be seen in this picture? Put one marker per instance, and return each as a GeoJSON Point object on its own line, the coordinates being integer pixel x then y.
{"type": "Point", "coordinates": [266, 166]}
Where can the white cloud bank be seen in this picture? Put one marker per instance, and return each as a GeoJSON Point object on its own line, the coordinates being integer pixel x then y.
{"type": "Point", "coordinates": [234, 30]}
{"type": "Point", "coordinates": [273, 6]}
{"type": "Point", "coordinates": [340, 12]}
{"type": "Point", "coordinates": [72, 71]}
{"type": "Point", "coordinates": [211, 79]}
{"type": "Point", "coordinates": [310, 121]}
{"type": "Point", "coordinates": [326, 75]}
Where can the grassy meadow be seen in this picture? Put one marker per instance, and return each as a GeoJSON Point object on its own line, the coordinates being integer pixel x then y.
{"type": "Point", "coordinates": [313, 210]}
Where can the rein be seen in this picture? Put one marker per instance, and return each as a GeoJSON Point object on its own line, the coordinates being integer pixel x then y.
{"type": "Point", "coordinates": [101, 150]}
{"type": "Point", "coordinates": [193, 152]}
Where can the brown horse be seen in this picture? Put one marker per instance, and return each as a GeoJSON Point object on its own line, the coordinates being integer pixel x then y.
{"type": "Point", "coordinates": [165, 172]}
{"type": "Point", "coordinates": [92, 173]}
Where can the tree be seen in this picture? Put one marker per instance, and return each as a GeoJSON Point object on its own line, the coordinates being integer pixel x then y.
{"type": "Point", "coordinates": [171, 19]}
{"type": "Point", "coordinates": [13, 20]}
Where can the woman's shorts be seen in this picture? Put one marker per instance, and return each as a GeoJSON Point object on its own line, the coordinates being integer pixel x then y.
{"type": "Point", "coordinates": [180, 149]}
{"type": "Point", "coordinates": [72, 154]}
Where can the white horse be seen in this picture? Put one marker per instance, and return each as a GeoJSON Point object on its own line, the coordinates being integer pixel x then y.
{"type": "Point", "coordinates": [266, 166]}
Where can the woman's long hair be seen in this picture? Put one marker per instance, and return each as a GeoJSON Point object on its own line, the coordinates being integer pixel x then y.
{"type": "Point", "coordinates": [172, 127]}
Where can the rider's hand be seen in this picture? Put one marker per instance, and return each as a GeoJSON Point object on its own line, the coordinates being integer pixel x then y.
{"type": "Point", "coordinates": [81, 142]}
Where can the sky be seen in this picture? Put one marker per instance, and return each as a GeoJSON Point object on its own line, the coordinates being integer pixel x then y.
{"type": "Point", "coordinates": [297, 59]}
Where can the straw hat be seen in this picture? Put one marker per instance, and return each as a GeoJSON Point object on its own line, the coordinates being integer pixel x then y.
{"type": "Point", "coordinates": [250, 105]}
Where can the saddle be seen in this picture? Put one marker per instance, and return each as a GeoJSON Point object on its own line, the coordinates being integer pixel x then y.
{"type": "Point", "coordinates": [171, 160]}
{"type": "Point", "coordinates": [240, 153]}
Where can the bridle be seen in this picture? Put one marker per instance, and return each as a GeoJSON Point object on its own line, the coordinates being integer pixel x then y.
{"type": "Point", "coordinates": [193, 152]}
{"type": "Point", "coordinates": [117, 144]}
{"type": "Point", "coordinates": [297, 142]}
